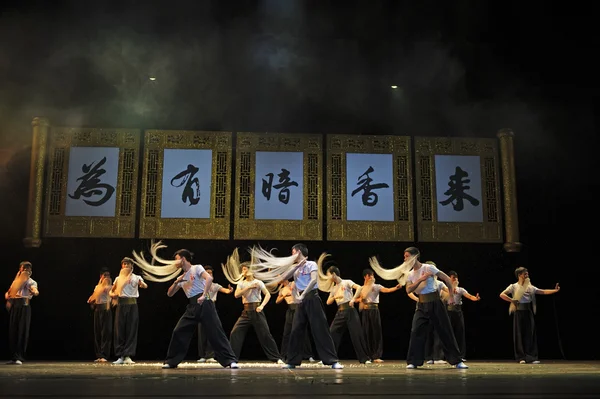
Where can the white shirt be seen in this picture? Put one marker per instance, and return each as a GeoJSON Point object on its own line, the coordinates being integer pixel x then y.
{"type": "Point", "coordinates": [194, 284]}
{"type": "Point", "coordinates": [302, 275]}
{"type": "Point", "coordinates": [345, 288]}
{"type": "Point", "coordinates": [457, 296]}
{"type": "Point", "coordinates": [24, 292]}
{"type": "Point", "coordinates": [373, 295]}
{"type": "Point", "coordinates": [527, 296]}
{"type": "Point", "coordinates": [130, 288]}
{"type": "Point", "coordinates": [214, 290]}
{"type": "Point", "coordinates": [429, 285]}
{"type": "Point", "coordinates": [253, 294]}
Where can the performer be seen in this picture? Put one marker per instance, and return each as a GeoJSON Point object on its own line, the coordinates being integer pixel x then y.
{"type": "Point", "coordinates": [368, 298]}
{"type": "Point", "coordinates": [346, 317]}
{"type": "Point", "coordinates": [274, 270]}
{"type": "Point", "coordinates": [523, 306]}
{"type": "Point", "coordinates": [285, 293]}
{"type": "Point", "coordinates": [456, 315]}
{"type": "Point", "coordinates": [195, 282]}
{"type": "Point", "coordinates": [18, 303]}
{"type": "Point", "coordinates": [127, 320]}
{"type": "Point", "coordinates": [205, 351]}
{"type": "Point", "coordinates": [103, 322]}
{"type": "Point", "coordinates": [250, 289]}
{"type": "Point", "coordinates": [430, 309]}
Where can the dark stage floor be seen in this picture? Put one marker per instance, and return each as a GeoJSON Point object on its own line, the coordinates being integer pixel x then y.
{"type": "Point", "coordinates": [551, 379]}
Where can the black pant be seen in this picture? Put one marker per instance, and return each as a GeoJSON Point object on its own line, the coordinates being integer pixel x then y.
{"type": "Point", "coordinates": [206, 315]}
{"type": "Point", "coordinates": [205, 351]}
{"type": "Point", "coordinates": [18, 328]}
{"type": "Point", "coordinates": [431, 314]}
{"type": "Point", "coordinates": [458, 327]}
{"type": "Point", "coordinates": [311, 308]}
{"type": "Point", "coordinates": [127, 323]}
{"type": "Point", "coordinates": [433, 346]}
{"type": "Point", "coordinates": [525, 336]}
{"type": "Point", "coordinates": [285, 340]}
{"type": "Point", "coordinates": [103, 330]}
{"type": "Point", "coordinates": [347, 319]}
{"type": "Point", "coordinates": [259, 321]}
{"type": "Point", "coordinates": [371, 325]}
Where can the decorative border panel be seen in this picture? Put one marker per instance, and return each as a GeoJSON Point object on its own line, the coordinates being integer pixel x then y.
{"type": "Point", "coordinates": [215, 227]}
{"type": "Point", "coordinates": [429, 229]}
{"type": "Point", "coordinates": [246, 227]}
{"type": "Point", "coordinates": [341, 229]}
{"type": "Point", "coordinates": [57, 224]}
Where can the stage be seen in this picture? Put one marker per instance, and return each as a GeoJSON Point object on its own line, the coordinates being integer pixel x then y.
{"type": "Point", "coordinates": [505, 379]}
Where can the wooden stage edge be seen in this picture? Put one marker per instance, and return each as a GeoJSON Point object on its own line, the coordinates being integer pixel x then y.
{"type": "Point", "coordinates": [260, 379]}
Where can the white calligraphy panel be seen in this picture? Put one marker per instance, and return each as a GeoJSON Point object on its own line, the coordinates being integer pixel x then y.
{"type": "Point", "coordinates": [458, 186]}
{"type": "Point", "coordinates": [92, 181]}
{"type": "Point", "coordinates": [279, 185]}
{"type": "Point", "coordinates": [369, 187]}
{"type": "Point", "coordinates": [186, 183]}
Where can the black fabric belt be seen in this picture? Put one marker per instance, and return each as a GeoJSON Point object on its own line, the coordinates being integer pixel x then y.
{"type": "Point", "coordinates": [370, 305]}
{"type": "Point", "coordinates": [102, 306]}
{"type": "Point", "coordinates": [127, 301]}
{"type": "Point", "coordinates": [431, 297]}
{"type": "Point", "coordinates": [20, 301]}
{"type": "Point", "coordinates": [524, 306]}
{"type": "Point", "coordinates": [454, 308]}
{"type": "Point", "coordinates": [194, 299]}
{"type": "Point", "coordinates": [292, 306]}
{"type": "Point", "coordinates": [251, 305]}
{"type": "Point", "coordinates": [344, 306]}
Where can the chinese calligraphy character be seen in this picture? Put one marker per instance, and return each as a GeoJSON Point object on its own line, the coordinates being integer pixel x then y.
{"type": "Point", "coordinates": [90, 184]}
{"type": "Point", "coordinates": [191, 190]}
{"type": "Point", "coordinates": [284, 183]}
{"type": "Point", "coordinates": [457, 191]}
{"type": "Point", "coordinates": [368, 198]}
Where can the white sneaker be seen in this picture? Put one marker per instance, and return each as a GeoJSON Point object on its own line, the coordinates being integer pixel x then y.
{"type": "Point", "coordinates": [535, 362]}
{"type": "Point", "coordinates": [522, 362]}
{"type": "Point", "coordinates": [168, 366]}
{"type": "Point", "coordinates": [128, 360]}
{"type": "Point", "coordinates": [320, 363]}
{"type": "Point", "coordinates": [440, 362]}
{"type": "Point", "coordinates": [430, 362]}
{"type": "Point", "coordinates": [18, 362]}
{"type": "Point", "coordinates": [211, 360]}
{"type": "Point", "coordinates": [234, 365]}
{"type": "Point", "coordinates": [311, 359]}
{"type": "Point", "coordinates": [202, 360]}
{"type": "Point", "coordinates": [368, 362]}
{"type": "Point", "coordinates": [461, 365]}
{"type": "Point", "coordinates": [337, 366]}
{"type": "Point", "coordinates": [119, 361]}
{"type": "Point", "coordinates": [279, 361]}
{"type": "Point", "coordinates": [411, 366]}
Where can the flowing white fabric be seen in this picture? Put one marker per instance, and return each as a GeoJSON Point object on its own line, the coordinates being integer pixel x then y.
{"type": "Point", "coordinates": [518, 294]}
{"type": "Point", "coordinates": [399, 273]}
{"type": "Point", "coordinates": [233, 268]}
{"type": "Point", "coordinates": [167, 269]}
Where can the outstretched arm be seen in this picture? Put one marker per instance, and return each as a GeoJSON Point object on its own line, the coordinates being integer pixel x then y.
{"type": "Point", "coordinates": [471, 297]}
{"type": "Point", "coordinates": [386, 290]}
{"type": "Point", "coordinates": [549, 292]}
{"type": "Point", "coordinates": [228, 290]}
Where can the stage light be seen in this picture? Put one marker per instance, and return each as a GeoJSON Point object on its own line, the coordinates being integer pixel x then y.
{"type": "Point", "coordinates": [394, 87]}
{"type": "Point", "coordinates": [152, 78]}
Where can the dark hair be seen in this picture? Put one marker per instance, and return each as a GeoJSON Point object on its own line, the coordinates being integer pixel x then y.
{"type": "Point", "coordinates": [104, 270]}
{"type": "Point", "coordinates": [334, 270]}
{"type": "Point", "coordinates": [26, 265]}
{"type": "Point", "coordinates": [519, 271]}
{"type": "Point", "coordinates": [302, 248]}
{"type": "Point", "coordinates": [127, 260]}
{"type": "Point", "coordinates": [208, 267]}
{"type": "Point", "coordinates": [452, 273]}
{"type": "Point", "coordinates": [368, 272]}
{"type": "Point", "coordinates": [414, 251]}
{"type": "Point", "coordinates": [184, 253]}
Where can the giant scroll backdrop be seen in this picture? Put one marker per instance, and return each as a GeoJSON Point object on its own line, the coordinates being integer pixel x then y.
{"type": "Point", "coordinates": [91, 187]}
{"type": "Point", "coordinates": [369, 189]}
{"type": "Point", "coordinates": [278, 187]}
{"type": "Point", "coordinates": [186, 185]}
{"type": "Point", "coordinates": [458, 194]}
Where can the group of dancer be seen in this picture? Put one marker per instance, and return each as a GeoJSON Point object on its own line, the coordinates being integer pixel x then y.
{"type": "Point", "coordinates": [437, 332]}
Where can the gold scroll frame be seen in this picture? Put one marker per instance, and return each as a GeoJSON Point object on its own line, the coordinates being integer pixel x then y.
{"type": "Point", "coordinates": [218, 225]}
{"type": "Point", "coordinates": [341, 229]}
{"type": "Point", "coordinates": [245, 226]}
{"type": "Point", "coordinates": [428, 227]}
{"type": "Point", "coordinates": [57, 224]}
